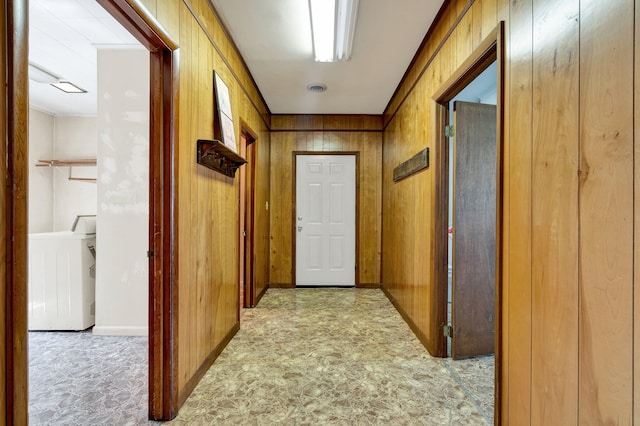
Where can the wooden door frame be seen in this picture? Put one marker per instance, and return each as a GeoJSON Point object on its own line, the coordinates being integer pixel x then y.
{"type": "Point", "coordinates": [163, 202]}
{"type": "Point", "coordinates": [492, 49]}
{"type": "Point", "coordinates": [251, 138]}
{"type": "Point", "coordinates": [14, 395]}
{"type": "Point", "coordinates": [295, 154]}
{"type": "Point", "coordinates": [163, 401]}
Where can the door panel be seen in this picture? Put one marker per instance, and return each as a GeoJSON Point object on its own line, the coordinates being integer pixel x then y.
{"type": "Point", "coordinates": [325, 220]}
{"type": "Point", "coordinates": [474, 230]}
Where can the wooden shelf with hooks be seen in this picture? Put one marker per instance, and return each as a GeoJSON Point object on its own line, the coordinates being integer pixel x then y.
{"type": "Point", "coordinates": [214, 155]}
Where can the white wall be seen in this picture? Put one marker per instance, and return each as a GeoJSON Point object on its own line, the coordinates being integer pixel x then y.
{"type": "Point", "coordinates": [123, 198]}
{"type": "Point", "coordinates": [41, 145]}
{"type": "Point", "coordinates": [74, 138]}
{"type": "Point", "coordinates": [54, 200]}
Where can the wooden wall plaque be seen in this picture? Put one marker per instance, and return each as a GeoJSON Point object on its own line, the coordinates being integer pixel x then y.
{"type": "Point", "coordinates": [413, 165]}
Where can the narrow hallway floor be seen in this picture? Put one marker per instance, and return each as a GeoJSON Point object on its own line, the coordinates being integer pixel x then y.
{"type": "Point", "coordinates": [327, 357]}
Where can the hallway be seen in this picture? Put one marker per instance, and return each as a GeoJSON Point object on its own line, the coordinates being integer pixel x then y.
{"type": "Point", "coordinates": [330, 356]}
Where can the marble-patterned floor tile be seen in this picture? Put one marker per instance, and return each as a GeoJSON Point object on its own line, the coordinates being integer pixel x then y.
{"type": "Point", "coordinates": [76, 378]}
{"type": "Point", "coordinates": [302, 357]}
{"type": "Point", "coordinates": [476, 377]}
{"type": "Point", "coordinates": [327, 357]}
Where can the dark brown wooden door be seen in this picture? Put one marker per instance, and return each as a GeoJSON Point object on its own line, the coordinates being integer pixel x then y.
{"type": "Point", "coordinates": [474, 230]}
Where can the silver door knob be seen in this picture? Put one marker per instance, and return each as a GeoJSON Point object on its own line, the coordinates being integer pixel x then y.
{"type": "Point", "coordinates": [299, 228]}
{"type": "Point", "coordinates": [299, 217]}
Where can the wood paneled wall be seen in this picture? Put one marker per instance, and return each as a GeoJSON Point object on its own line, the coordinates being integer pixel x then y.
{"type": "Point", "coordinates": [570, 350]}
{"type": "Point", "coordinates": [207, 246]}
{"type": "Point", "coordinates": [357, 133]}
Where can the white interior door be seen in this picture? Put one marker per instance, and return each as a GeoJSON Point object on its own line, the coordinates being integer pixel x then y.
{"type": "Point", "coordinates": [325, 220]}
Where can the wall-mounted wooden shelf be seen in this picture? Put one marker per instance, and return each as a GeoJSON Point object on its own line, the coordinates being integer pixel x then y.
{"type": "Point", "coordinates": [216, 156]}
{"type": "Point", "coordinates": [84, 162]}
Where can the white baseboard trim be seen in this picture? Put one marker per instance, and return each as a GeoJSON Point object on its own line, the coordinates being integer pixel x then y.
{"type": "Point", "coordinates": [120, 331]}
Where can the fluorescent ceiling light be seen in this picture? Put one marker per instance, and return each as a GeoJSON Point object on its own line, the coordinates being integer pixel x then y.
{"type": "Point", "coordinates": [68, 87]}
{"type": "Point", "coordinates": [41, 75]}
{"type": "Point", "coordinates": [333, 25]}
{"type": "Point", "coordinates": [345, 28]}
{"type": "Point", "coordinates": [323, 14]}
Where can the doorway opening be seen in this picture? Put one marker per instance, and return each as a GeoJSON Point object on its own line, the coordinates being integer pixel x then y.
{"type": "Point", "coordinates": [468, 224]}
{"type": "Point", "coordinates": [248, 150]}
{"type": "Point", "coordinates": [162, 259]}
{"type": "Point", "coordinates": [325, 219]}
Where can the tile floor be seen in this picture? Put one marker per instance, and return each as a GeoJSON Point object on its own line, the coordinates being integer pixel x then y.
{"type": "Point", "coordinates": [328, 356]}
{"type": "Point", "coordinates": [302, 357]}
{"type": "Point", "coordinates": [76, 378]}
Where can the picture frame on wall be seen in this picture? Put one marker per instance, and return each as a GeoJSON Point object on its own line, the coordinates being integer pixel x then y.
{"type": "Point", "coordinates": [223, 122]}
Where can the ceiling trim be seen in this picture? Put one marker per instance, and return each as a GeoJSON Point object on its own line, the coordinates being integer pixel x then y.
{"type": "Point", "coordinates": [233, 45]}
{"type": "Point", "coordinates": [388, 117]}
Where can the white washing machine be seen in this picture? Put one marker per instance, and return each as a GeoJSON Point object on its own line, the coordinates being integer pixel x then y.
{"type": "Point", "coordinates": [62, 277]}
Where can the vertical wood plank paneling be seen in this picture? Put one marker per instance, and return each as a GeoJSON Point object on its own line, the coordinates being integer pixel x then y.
{"type": "Point", "coordinates": [476, 26]}
{"type": "Point", "coordinates": [464, 38]}
{"type": "Point", "coordinates": [4, 235]}
{"type": "Point", "coordinates": [636, 223]}
{"type": "Point", "coordinates": [185, 133]}
{"type": "Point", "coordinates": [168, 12]}
{"type": "Point", "coordinates": [208, 211]}
{"type": "Point", "coordinates": [606, 211]}
{"type": "Point", "coordinates": [489, 13]}
{"type": "Point", "coordinates": [555, 213]}
{"type": "Point", "coordinates": [518, 246]}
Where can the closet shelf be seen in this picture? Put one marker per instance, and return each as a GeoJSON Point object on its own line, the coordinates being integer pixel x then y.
{"type": "Point", "coordinates": [83, 162]}
{"type": "Point", "coordinates": [67, 163]}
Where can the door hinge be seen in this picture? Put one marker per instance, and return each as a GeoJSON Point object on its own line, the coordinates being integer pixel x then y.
{"type": "Point", "coordinates": [447, 330]}
{"type": "Point", "coordinates": [244, 234]}
{"type": "Point", "coordinates": [449, 131]}
{"type": "Point", "coordinates": [150, 254]}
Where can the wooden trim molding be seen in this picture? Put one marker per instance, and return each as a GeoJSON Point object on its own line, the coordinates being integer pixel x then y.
{"type": "Point", "coordinates": [163, 202]}
{"type": "Point", "coordinates": [282, 285]}
{"type": "Point", "coordinates": [215, 353]}
{"type": "Point", "coordinates": [13, 208]}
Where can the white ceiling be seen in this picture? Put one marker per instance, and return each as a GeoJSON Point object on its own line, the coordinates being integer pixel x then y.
{"type": "Point", "coordinates": [63, 39]}
{"type": "Point", "coordinates": [274, 37]}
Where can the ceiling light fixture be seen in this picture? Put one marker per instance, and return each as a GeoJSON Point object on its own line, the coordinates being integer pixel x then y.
{"type": "Point", "coordinates": [40, 75]}
{"type": "Point", "coordinates": [68, 87]}
{"type": "Point", "coordinates": [333, 26]}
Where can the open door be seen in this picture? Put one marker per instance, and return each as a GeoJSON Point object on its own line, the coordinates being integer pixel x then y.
{"type": "Point", "coordinates": [474, 230]}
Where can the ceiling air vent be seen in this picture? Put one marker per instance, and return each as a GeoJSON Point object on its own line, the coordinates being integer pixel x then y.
{"type": "Point", "coordinates": [317, 87]}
